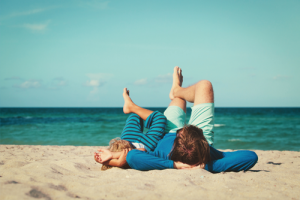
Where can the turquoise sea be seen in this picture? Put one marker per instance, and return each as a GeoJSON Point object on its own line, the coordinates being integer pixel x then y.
{"type": "Point", "coordinates": [235, 128]}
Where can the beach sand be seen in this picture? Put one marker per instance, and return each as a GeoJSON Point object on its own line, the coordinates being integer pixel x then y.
{"type": "Point", "coordinates": [66, 172]}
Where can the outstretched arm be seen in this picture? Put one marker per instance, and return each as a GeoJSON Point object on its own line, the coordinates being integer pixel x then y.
{"type": "Point", "coordinates": [145, 161]}
{"type": "Point", "coordinates": [106, 155]}
{"type": "Point", "coordinates": [148, 161]}
{"type": "Point", "coordinates": [120, 161]}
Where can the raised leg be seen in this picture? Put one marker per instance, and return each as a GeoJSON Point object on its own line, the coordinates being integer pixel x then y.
{"type": "Point", "coordinates": [179, 102]}
{"type": "Point", "coordinates": [201, 92]}
{"type": "Point", "coordinates": [154, 121]}
{"type": "Point", "coordinates": [130, 107]}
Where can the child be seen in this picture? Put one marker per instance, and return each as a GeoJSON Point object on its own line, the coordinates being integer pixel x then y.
{"type": "Point", "coordinates": [132, 136]}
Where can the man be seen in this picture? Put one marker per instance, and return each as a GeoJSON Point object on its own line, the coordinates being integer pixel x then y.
{"type": "Point", "coordinates": [190, 146]}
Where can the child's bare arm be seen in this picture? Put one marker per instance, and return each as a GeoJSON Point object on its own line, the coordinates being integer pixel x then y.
{"type": "Point", "coordinates": [111, 158]}
{"type": "Point", "coordinates": [120, 162]}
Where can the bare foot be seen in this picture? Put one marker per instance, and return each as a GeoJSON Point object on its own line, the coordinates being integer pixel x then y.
{"type": "Point", "coordinates": [177, 81]}
{"type": "Point", "coordinates": [128, 103]}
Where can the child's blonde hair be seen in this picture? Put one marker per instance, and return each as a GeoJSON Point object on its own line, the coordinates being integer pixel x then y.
{"type": "Point", "coordinates": [116, 145]}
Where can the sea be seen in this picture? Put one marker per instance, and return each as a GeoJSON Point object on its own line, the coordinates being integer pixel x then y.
{"type": "Point", "coordinates": [235, 128]}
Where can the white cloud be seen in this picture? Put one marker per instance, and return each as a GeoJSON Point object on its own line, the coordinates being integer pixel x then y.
{"type": "Point", "coordinates": [141, 82]}
{"type": "Point", "coordinates": [96, 81]}
{"type": "Point", "coordinates": [62, 83]}
{"type": "Point", "coordinates": [154, 82]}
{"type": "Point", "coordinates": [13, 78]}
{"type": "Point", "coordinates": [281, 77]}
{"type": "Point", "coordinates": [37, 27]}
{"type": "Point", "coordinates": [28, 12]}
{"type": "Point", "coordinates": [59, 81]}
{"type": "Point", "coordinates": [30, 84]}
{"type": "Point", "coordinates": [100, 76]}
{"type": "Point", "coordinates": [23, 13]}
{"type": "Point", "coordinates": [164, 78]}
{"type": "Point", "coordinates": [52, 84]}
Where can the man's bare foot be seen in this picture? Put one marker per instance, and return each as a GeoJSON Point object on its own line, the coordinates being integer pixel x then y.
{"type": "Point", "coordinates": [177, 81]}
{"type": "Point", "coordinates": [128, 103]}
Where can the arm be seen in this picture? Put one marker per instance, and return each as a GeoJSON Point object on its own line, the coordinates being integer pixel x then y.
{"type": "Point", "coordinates": [119, 162]}
{"type": "Point", "coordinates": [107, 156]}
{"type": "Point", "coordinates": [144, 161]}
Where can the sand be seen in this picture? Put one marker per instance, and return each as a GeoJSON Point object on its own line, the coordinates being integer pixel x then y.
{"type": "Point", "coordinates": [66, 172]}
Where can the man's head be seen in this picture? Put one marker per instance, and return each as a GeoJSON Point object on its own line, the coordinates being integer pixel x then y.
{"type": "Point", "coordinates": [190, 146]}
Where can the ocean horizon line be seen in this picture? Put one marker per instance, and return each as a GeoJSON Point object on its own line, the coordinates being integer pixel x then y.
{"type": "Point", "coordinates": [158, 107]}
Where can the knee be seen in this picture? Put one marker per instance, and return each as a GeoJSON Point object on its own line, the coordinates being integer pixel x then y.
{"type": "Point", "coordinates": [132, 117]}
{"type": "Point", "coordinates": [204, 84]}
{"type": "Point", "coordinates": [178, 101]}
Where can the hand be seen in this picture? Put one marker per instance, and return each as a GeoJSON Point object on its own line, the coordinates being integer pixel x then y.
{"type": "Point", "coordinates": [104, 156]}
{"type": "Point", "coordinates": [122, 159]}
{"type": "Point", "coordinates": [97, 158]}
{"type": "Point", "coordinates": [201, 166]}
{"type": "Point", "coordinates": [180, 165]}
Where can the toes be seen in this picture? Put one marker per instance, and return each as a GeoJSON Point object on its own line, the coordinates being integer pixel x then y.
{"type": "Point", "coordinates": [176, 69]}
{"type": "Point", "coordinates": [125, 91]}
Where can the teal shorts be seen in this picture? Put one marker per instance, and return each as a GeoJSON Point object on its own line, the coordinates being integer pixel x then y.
{"type": "Point", "coordinates": [202, 116]}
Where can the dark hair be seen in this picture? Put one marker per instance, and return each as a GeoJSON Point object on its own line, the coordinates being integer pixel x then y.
{"type": "Point", "coordinates": [190, 146]}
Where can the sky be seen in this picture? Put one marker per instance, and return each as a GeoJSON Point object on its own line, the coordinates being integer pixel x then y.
{"type": "Point", "coordinates": [82, 53]}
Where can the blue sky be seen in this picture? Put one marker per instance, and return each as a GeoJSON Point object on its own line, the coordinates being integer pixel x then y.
{"type": "Point", "coordinates": [83, 53]}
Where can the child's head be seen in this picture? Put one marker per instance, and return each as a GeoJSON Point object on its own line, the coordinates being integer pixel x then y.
{"type": "Point", "coordinates": [116, 145]}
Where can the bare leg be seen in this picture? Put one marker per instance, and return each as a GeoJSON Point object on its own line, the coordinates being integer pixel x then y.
{"type": "Point", "coordinates": [130, 107]}
{"type": "Point", "coordinates": [177, 80]}
{"type": "Point", "coordinates": [201, 92]}
{"type": "Point", "coordinates": [179, 102]}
